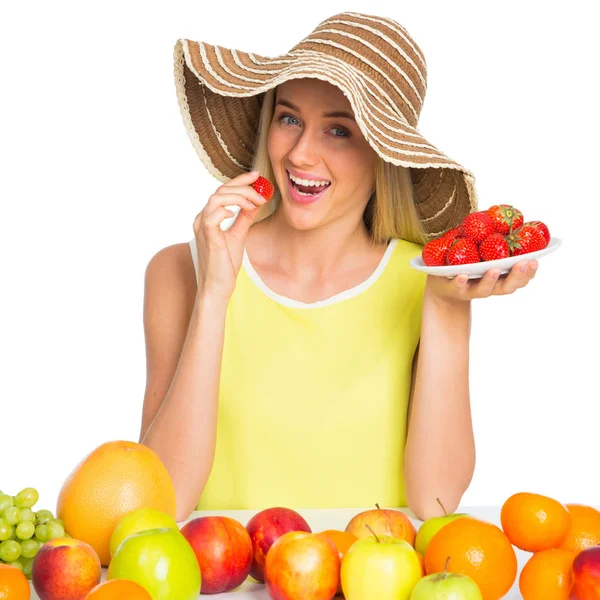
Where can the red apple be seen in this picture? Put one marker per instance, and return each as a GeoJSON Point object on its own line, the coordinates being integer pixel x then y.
{"type": "Point", "coordinates": [223, 550]}
{"type": "Point", "coordinates": [302, 565]}
{"type": "Point", "coordinates": [266, 527]}
{"type": "Point", "coordinates": [383, 521]}
{"type": "Point", "coordinates": [586, 575]}
{"type": "Point", "coordinates": [65, 568]}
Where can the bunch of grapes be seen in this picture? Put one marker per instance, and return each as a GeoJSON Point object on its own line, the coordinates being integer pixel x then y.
{"type": "Point", "coordinates": [23, 531]}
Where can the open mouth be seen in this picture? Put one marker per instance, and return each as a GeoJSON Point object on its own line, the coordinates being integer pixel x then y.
{"type": "Point", "coordinates": [307, 192]}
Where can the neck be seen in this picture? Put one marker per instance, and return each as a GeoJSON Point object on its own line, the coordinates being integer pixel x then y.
{"type": "Point", "coordinates": [318, 252]}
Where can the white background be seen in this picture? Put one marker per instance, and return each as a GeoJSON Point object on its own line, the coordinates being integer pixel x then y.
{"type": "Point", "coordinates": [97, 175]}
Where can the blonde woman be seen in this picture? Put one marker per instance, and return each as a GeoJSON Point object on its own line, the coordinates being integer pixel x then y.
{"type": "Point", "coordinates": [296, 359]}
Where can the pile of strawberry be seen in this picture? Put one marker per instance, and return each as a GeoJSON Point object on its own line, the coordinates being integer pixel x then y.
{"type": "Point", "coordinates": [492, 234]}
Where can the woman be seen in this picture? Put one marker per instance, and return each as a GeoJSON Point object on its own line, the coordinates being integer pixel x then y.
{"type": "Point", "coordinates": [296, 359]}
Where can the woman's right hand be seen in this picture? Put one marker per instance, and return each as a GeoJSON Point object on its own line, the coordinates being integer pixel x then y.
{"type": "Point", "coordinates": [220, 252]}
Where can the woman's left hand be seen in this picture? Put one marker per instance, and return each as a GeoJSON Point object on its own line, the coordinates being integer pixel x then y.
{"type": "Point", "coordinates": [461, 288]}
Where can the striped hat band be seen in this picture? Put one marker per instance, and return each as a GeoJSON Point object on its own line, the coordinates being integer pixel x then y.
{"type": "Point", "coordinates": [378, 67]}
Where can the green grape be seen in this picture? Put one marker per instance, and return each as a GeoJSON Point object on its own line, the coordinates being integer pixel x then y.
{"type": "Point", "coordinates": [5, 502]}
{"type": "Point", "coordinates": [26, 498]}
{"type": "Point", "coordinates": [60, 522]}
{"type": "Point", "coordinates": [67, 535]}
{"type": "Point", "coordinates": [29, 548]}
{"type": "Point", "coordinates": [27, 515]}
{"type": "Point", "coordinates": [43, 516]}
{"type": "Point", "coordinates": [10, 550]}
{"type": "Point", "coordinates": [27, 563]}
{"type": "Point", "coordinates": [55, 530]}
{"type": "Point", "coordinates": [11, 515]}
{"type": "Point", "coordinates": [41, 533]}
{"type": "Point", "coordinates": [5, 530]}
{"type": "Point", "coordinates": [25, 530]}
{"type": "Point", "coordinates": [16, 563]}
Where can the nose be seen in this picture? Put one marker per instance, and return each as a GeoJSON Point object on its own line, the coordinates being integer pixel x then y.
{"type": "Point", "coordinates": [306, 150]}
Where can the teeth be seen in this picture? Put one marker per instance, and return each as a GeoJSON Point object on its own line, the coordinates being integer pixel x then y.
{"type": "Point", "coordinates": [313, 182]}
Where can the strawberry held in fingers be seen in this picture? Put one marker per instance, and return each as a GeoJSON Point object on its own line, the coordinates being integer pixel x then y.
{"type": "Point", "coordinates": [525, 240]}
{"type": "Point", "coordinates": [463, 251]}
{"type": "Point", "coordinates": [542, 227]}
{"type": "Point", "coordinates": [494, 247]}
{"type": "Point", "coordinates": [477, 226]}
{"type": "Point", "coordinates": [505, 217]}
{"type": "Point", "coordinates": [264, 187]}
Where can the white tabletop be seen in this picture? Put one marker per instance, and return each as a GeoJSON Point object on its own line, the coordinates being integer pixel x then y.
{"type": "Point", "coordinates": [337, 518]}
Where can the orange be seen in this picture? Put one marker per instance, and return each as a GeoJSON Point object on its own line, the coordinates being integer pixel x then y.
{"type": "Point", "coordinates": [533, 522]}
{"type": "Point", "coordinates": [584, 531]}
{"type": "Point", "coordinates": [548, 574]}
{"type": "Point", "coordinates": [118, 589]}
{"type": "Point", "coordinates": [113, 480]}
{"type": "Point", "coordinates": [342, 540]}
{"type": "Point", "coordinates": [478, 549]}
{"type": "Point", "coordinates": [13, 584]}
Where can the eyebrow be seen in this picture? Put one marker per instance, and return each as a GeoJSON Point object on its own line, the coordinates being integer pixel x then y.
{"type": "Point", "coordinates": [335, 113]}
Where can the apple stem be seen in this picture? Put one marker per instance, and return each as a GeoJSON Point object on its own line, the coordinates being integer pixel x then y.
{"type": "Point", "coordinates": [446, 567]}
{"type": "Point", "coordinates": [377, 505]}
{"type": "Point", "coordinates": [369, 528]}
{"type": "Point", "coordinates": [443, 508]}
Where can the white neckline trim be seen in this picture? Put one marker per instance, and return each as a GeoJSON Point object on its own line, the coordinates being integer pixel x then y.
{"type": "Point", "coordinates": [349, 293]}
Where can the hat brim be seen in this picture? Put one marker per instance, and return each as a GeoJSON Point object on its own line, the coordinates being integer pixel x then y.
{"type": "Point", "coordinates": [219, 91]}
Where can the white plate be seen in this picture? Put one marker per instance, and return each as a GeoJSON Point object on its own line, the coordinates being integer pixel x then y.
{"type": "Point", "coordinates": [478, 270]}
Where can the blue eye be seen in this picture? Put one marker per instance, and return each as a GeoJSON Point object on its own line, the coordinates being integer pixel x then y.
{"type": "Point", "coordinates": [346, 132]}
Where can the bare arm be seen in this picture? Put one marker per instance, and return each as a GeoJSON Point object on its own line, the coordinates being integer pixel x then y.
{"type": "Point", "coordinates": [439, 458]}
{"type": "Point", "coordinates": [184, 333]}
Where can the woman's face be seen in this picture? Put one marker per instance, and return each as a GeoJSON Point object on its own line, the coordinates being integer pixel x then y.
{"type": "Point", "coordinates": [314, 146]}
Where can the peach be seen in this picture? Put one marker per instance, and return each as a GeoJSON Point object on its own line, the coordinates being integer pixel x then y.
{"type": "Point", "coordinates": [223, 550]}
{"type": "Point", "coordinates": [65, 569]}
{"type": "Point", "coordinates": [302, 565]}
{"type": "Point", "coordinates": [383, 521]}
{"type": "Point", "coordinates": [586, 575]}
{"type": "Point", "coordinates": [267, 526]}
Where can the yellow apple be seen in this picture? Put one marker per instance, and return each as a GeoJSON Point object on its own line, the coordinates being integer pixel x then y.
{"type": "Point", "coordinates": [381, 567]}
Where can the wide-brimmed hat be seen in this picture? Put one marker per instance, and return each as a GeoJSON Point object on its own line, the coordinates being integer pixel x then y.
{"type": "Point", "coordinates": [378, 67]}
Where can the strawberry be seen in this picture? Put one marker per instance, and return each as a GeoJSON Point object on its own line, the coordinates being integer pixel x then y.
{"type": "Point", "coordinates": [453, 233]}
{"type": "Point", "coordinates": [542, 227]}
{"type": "Point", "coordinates": [434, 252]}
{"type": "Point", "coordinates": [494, 247]}
{"type": "Point", "coordinates": [477, 226]}
{"type": "Point", "coordinates": [462, 251]}
{"type": "Point", "coordinates": [505, 217]}
{"type": "Point", "coordinates": [264, 187]}
{"type": "Point", "coordinates": [525, 240]}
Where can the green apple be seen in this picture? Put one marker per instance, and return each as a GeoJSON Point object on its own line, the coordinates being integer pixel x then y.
{"type": "Point", "coordinates": [160, 560]}
{"type": "Point", "coordinates": [446, 586]}
{"type": "Point", "coordinates": [380, 567]}
{"type": "Point", "coordinates": [139, 520]}
{"type": "Point", "coordinates": [431, 526]}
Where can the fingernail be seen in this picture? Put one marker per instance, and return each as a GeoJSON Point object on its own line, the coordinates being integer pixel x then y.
{"type": "Point", "coordinates": [523, 268]}
{"type": "Point", "coordinates": [462, 279]}
{"type": "Point", "coordinates": [495, 275]}
{"type": "Point", "coordinates": [534, 267]}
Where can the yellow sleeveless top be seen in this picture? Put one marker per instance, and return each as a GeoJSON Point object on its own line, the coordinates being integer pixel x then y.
{"type": "Point", "coordinates": [313, 397]}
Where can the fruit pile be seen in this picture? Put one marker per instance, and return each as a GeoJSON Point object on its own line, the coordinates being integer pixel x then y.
{"type": "Point", "coordinates": [23, 531]}
{"type": "Point", "coordinates": [380, 554]}
{"type": "Point", "coordinates": [492, 234]}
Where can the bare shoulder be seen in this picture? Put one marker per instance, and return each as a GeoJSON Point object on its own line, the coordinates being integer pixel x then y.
{"type": "Point", "coordinates": [172, 268]}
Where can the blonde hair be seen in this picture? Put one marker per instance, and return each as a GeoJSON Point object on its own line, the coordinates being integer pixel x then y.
{"type": "Point", "coordinates": [390, 212]}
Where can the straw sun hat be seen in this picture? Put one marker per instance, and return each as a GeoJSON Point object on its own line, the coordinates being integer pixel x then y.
{"type": "Point", "coordinates": [378, 67]}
